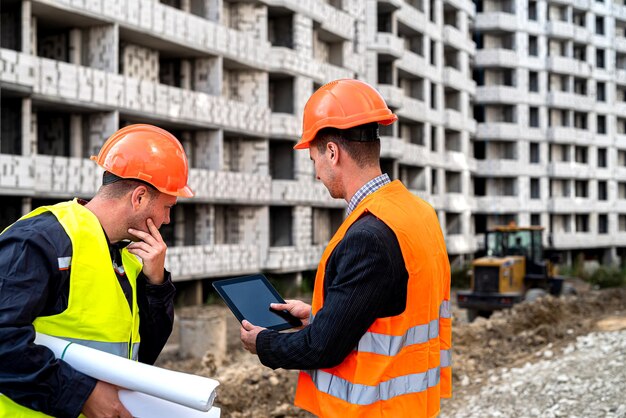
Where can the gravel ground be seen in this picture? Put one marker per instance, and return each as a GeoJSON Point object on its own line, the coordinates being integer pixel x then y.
{"type": "Point", "coordinates": [587, 380]}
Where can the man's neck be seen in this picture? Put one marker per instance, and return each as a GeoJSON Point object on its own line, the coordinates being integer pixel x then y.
{"type": "Point", "coordinates": [359, 180]}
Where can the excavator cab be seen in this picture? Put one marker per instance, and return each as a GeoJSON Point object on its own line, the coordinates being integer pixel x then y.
{"type": "Point", "coordinates": [514, 269]}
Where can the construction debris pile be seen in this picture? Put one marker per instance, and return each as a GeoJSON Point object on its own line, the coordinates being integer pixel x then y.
{"type": "Point", "coordinates": [537, 353]}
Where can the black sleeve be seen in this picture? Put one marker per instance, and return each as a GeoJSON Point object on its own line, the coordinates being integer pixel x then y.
{"type": "Point", "coordinates": [29, 373]}
{"type": "Point", "coordinates": [156, 316]}
{"type": "Point", "coordinates": [368, 270]}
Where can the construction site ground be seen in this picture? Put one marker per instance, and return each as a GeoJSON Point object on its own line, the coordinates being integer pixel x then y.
{"type": "Point", "coordinates": [549, 358]}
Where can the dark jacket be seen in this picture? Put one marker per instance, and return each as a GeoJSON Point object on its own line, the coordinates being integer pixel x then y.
{"type": "Point", "coordinates": [31, 286]}
{"type": "Point", "coordinates": [365, 279]}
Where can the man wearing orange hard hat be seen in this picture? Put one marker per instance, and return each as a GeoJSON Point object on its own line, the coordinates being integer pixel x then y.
{"type": "Point", "coordinates": [377, 338]}
{"type": "Point", "coordinates": [72, 270]}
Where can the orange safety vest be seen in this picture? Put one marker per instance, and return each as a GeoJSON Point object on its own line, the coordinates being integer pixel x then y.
{"type": "Point", "coordinates": [401, 365]}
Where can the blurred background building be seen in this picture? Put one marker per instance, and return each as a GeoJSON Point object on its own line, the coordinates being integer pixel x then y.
{"type": "Point", "coordinates": [511, 110]}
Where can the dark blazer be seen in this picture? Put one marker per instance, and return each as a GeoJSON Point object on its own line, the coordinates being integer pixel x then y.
{"type": "Point", "coordinates": [365, 279]}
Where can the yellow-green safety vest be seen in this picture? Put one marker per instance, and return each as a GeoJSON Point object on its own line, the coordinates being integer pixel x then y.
{"type": "Point", "coordinates": [97, 313]}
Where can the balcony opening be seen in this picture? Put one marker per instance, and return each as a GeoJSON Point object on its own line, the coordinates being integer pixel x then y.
{"type": "Point", "coordinates": [433, 96]}
{"type": "Point", "coordinates": [580, 86]}
{"type": "Point", "coordinates": [480, 223]}
{"type": "Point", "coordinates": [621, 190]}
{"type": "Point", "coordinates": [580, 120]}
{"type": "Point", "coordinates": [560, 188]}
{"type": "Point", "coordinates": [560, 223]}
{"type": "Point", "coordinates": [599, 25]}
{"type": "Point", "coordinates": [502, 150]}
{"type": "Point", "coordinates": [601, 124]}
{"type": "Point", "coordinates": [172, 3]}
{"type": "Point", "coordinates": [533, 81]}
{"type": "Point", "coordinates": [535, 190]}
{"type": "Point", "coordinates": [600, 58]}
{"type": "Point", "coordinates": [418, 4]}
{"type": "Point", "coordinates": [281, 160]}
{"type": "Point", "coordinates": [580, 19]}
{"type": "Point", "coordinates": [434, 184]}
{"type": "Point", "coordinates": [601, 91]}
{"type": "Point", "coordinates": [478, 74]}
{"type": "Point", "coordinates": [325, 223]}
{"type": "Point", "coordinates": [281, 94]}
{"type": "Point", "coordinates": [451, 58]}
{"type": "Point", "coordinates": [433, 138]}
{"type": "Point", "coordinates": [557, 13]}
{"type": "Point", "coordinates": [384, 21]}
{"type": "Point", "coordinates": [453, 140]}
{"type": "Point", "coordinates": [53, 133]}
{"type": "Point", "coordinates": [452, 99]}
{"type": "Point", "coordinates": [533, 46]}
{"type": "Point", "coordinates": [580, 155]}
{"type": "Point", "coordinates": [413, 177]}
{"type": "Point", "coordinates": [432, 13]}
{"type": "Point", "coordinates": [479, 40]}
{"type": "Point", "coordinates": [580, 52]}
{"type": "Point", "coordinates": [602, 160]}
{"type": "Point", "coordinates": [52, 41]}
{"type": "Point", "coordinates": [534, 153]}
{"type": "Point", "coordinates": [532, 10]}
{"type": "Point", "coordinates": [412, 132]}
{"type": "Point", "coordinates": [325, 48]}
{"type": "Point", "coordinates": [11, 126]}
{"type": "Point", "coordinates": [480, 186]}
{"type": "Point", "coordinates": [620, 61]}
{"type": "Point", "coordinates": [479, 150]}
{"type": "Point", "coordinates": [385, 72]}
{"type": "Point", "coordinates": [557, 48]}
{"type": "Point", "coordinates": [433, 53]}
{"type": "Point", "coordinates": [603, 193]}
{"type": "Point", "coordinates": [415, 44]}
{"type": "Point", "coordinates": [450, 16]}
{"type": "Point", "coordinates": [170, 71]}
{"type": "Point", "coordinates": [281, 226]}
{"type": "Point", "coordinates": [582, 223]}
{"type": "Point", "coordinates": [582, 188]}
{"type": "Point", "coordinates": [453, 224]}
{"type": "Point", "coordinates": [480, 113]}
{"type": "Point", "coordinates": [603, 223]}
{"type": "Point", "coordinates": [413, 87]}
{"type": "Point", "coordinates": [280, 27]}
{"type": "Point", "coordinates": [559, 153]}
{"type": "Point", "coordinates": [453, 182]}
{"type": "Point", "coordinates": [501, 114]}
{"type": "Point", "coordinates": [535, 219]}
{"type": "Point", "coordinates": [10, 26]}
{"type": "Point", "coordinates": [534, 117]}
{"type": "Point", "coordinates": [622, 223]}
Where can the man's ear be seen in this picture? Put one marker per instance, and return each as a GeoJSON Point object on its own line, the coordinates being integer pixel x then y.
{"type": "Point", "coordinates": [139, 197]}
{"type": "Point", "coordinates": [333, 152]}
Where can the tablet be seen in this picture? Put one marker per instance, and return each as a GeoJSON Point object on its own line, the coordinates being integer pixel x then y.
{"type": "Point", "coordinates": [249, 298]}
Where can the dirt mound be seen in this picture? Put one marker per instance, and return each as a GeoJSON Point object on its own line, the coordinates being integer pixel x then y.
{"type": "Point", "coordinates": [510, 336]}
{"type": "Point", "coordinates": [507, 339]}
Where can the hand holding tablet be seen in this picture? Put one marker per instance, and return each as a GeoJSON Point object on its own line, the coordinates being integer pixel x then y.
{"type": "Point", "coordinates": [250, 297]}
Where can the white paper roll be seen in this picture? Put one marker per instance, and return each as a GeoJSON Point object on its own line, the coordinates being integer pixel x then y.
{"type": "Point", "coordinates": [196, 392]}
{"type": "Point", "coordinates": [141, 405]}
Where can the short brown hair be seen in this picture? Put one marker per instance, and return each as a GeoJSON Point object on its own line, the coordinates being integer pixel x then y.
{"type": "Point", "coordinates": [365, 151]}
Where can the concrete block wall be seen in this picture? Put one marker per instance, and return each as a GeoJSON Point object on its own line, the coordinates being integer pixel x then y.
{"type": "Point", "coordinates": [140, 63]}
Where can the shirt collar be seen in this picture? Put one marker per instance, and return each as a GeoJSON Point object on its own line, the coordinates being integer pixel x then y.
{"type": "Point", "coordinates": [368, 188]}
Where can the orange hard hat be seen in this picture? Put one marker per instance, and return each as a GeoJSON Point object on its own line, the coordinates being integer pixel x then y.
{"type": "Point", "coordinates": [147, 153]}
{"type": "Point", "coordinates": [343, 104]}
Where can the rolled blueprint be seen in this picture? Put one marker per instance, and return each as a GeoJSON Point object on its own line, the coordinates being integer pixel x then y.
{"type": "Point", "coordinates": [141, 405]}
{"type": "Point", "coordinates": [196, 392]}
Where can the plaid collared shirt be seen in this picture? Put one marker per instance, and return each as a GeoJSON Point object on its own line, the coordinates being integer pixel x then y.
{"type": "Point", "coordinates": [368, 188]}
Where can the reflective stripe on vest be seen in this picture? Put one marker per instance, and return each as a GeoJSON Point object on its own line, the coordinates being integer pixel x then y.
{"type": "Point", "coordinates": [118, 349]}
{"type": "Point", "coordinates": [357, 394]}
{"type": "Point", "coordinates": [401, 364]}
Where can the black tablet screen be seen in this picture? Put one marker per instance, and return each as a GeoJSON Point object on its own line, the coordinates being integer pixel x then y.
{"type": "Point", "coordinates": [251, 297]}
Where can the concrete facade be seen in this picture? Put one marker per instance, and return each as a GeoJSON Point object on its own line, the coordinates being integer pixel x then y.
{"type": "Point", "coordinates": [551, 113]}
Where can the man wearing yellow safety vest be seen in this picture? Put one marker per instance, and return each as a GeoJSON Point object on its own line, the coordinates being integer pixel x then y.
{"type": "Point", "coordinates": [72, 270]}
{"type": "Point", "coordinates": [377, 338]}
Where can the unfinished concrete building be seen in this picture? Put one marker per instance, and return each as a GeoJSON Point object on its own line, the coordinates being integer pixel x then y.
{"type": "Point", "coordinates": [550, 147]}
{"type": "Point", "coordinates": [419, 54]}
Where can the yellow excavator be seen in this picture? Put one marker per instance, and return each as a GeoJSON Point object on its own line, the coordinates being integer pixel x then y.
{"type": "Point", "coordinates": [513, 270]}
